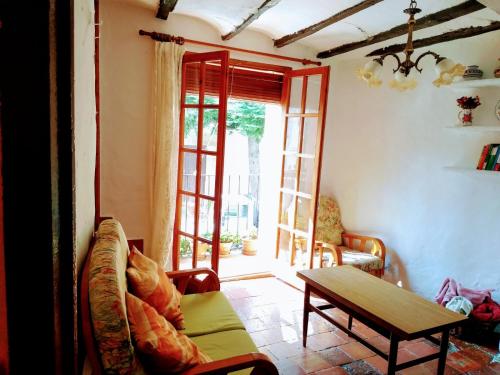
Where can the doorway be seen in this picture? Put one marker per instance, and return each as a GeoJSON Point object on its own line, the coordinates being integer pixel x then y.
{"type": "Point", "coordinates": [248, 141]}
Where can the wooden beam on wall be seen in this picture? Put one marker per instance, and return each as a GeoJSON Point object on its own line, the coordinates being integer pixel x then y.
{"type": "Point", "coordinates": [465, 32]}
{"type": "Point", "coordinates": [264, 7]}
{"type": "Point", "coordinates": [287, 39]}
{"type": "Point", "coordinates": [165, 7]}
{"type": "Point", "coordinates": [433, 19]}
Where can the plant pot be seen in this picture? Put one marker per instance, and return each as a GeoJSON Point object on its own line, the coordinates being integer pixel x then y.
{"type": "Point", "coordinates": [250, 246]}
{"type": "Point", "coordinates": [225, 249]}
{"type": "Point", "coordinates": [202, 250]}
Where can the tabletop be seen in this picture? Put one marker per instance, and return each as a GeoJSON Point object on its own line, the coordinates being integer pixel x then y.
{"type": "Point", "coordinates": [400, 310]}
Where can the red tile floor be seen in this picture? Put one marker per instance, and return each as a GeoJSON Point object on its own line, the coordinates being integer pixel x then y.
{"type": "Point", "coordinates": [272, 313]}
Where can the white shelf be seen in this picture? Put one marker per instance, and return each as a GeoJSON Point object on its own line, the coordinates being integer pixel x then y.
{"type": "Point", "coordinates": [476, 128]}
{"type": "Point", "coordinates": [476, 83]}
{"type": "Point", "coordinates": [472, 171]}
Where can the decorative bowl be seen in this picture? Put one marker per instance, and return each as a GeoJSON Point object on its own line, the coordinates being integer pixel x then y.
{"type": "Point", "coordinates": [473, 72]}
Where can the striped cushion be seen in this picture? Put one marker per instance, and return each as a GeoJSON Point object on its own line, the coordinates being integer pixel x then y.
{"type": "Point", "coordinates": [148, 282]}
{"type": "Point", "coordinates": [364, 261]}
{"type": "Point", "coordinates": [164, 350]}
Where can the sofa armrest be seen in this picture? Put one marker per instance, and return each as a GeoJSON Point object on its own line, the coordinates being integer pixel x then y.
{"type": "Point", "coordinates": [351, 241]}
{"type": "Point", "coordinates": [260, 362]}
{"type": "Point", "coordinates": [186, 281]}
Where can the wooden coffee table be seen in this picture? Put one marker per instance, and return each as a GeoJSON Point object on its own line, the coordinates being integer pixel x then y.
{"type": "Point", "coordinates": [391, 311]}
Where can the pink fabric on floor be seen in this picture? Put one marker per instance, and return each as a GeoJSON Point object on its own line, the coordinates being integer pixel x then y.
{"type": "Point", "coordinates": [451, 288]}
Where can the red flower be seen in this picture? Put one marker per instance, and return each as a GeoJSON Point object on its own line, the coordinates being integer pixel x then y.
{"type": "Point", "coordinates": [468, 102]}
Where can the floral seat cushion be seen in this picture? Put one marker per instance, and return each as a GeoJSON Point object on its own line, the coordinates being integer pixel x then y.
{"type": "Point", "coordinates": [364, 261]}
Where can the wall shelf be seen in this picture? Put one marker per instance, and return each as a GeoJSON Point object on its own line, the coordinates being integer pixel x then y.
{"type": "Point", "coordinates": [472, 171]}
{"type": "Point", "coordinates": [476, 83]}
{"type": "Point", "coordinates": [475, 128]}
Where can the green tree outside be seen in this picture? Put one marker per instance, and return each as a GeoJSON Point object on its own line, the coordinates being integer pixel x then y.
{"type": "Point", "coordinates": [244, 117]}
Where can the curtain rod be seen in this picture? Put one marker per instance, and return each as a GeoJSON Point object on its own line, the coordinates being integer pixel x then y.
{"type": "Point", "coordinates": [180, 40]}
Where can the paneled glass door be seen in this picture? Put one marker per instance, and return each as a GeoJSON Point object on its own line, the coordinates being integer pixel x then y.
{"type": "Point", "coordinates": [201, 160]}
{"type": "Point", "coordinates": [305, 111]}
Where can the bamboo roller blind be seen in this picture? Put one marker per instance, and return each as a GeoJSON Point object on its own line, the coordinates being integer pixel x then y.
{"type": "Point", "coordinates": [246, 84]}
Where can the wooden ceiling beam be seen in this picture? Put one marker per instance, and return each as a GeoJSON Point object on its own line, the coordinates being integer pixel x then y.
{"type": "Point", "coordinates": [165, 7]}
{"type": "Point", "coordinates": [264, 7]}
{"type": "Point", "coordinates": [465, 32]}
{"type": "Point", "coordinates": [433, 19]}
{"type": "Point", "coordinates": [290, 38]}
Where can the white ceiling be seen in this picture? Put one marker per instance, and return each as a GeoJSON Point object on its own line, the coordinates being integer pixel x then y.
{"type": "Point", "coordinates": [292, 15]}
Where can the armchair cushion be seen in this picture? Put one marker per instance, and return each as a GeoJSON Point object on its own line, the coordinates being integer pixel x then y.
{"type": "Point", "coordinates": [364, 261]}
{"type": "Point", "coordinates": [161, 345]}
{"type": "Point", "coordinates": [149, 282]}
{"type": "Point", "coordinates": [221, 345]}
{"type": "Point", "coordinates": [206, 313]}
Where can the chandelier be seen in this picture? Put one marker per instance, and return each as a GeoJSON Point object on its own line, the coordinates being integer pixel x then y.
{"type": "Point", "coordinates": [446, 69]}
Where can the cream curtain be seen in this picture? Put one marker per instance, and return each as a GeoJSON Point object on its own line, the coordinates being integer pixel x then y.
{"type": "Point", "coordinates": [165, 144]}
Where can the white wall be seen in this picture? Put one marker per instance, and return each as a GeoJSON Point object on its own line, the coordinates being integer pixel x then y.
{"type": "Point", "coordinates": [384, 158]}
{"type": "Point", "coordinates": [84, 126]}
{"type": "Point", "coordinates": [126, 76]}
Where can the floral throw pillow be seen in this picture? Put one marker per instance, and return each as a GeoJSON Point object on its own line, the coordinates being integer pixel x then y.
{"type": "Point", "coordinates": [159, 343]}
{"type": "Point", "coordinates": [328, 225]}
{"type": "Point", "coordinates": [148, 282]}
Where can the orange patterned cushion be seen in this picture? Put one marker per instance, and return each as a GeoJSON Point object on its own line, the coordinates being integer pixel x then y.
{"type": "Point", "coordinates": [164, 349]}
{"type": "Point", "coordinates": [149, 282]}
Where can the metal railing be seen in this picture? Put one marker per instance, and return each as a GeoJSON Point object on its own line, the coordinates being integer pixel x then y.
{"type": "Point", "coordinates": [238, 206]}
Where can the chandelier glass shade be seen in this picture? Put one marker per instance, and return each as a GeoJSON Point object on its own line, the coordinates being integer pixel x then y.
{"type": "Point", "coordinates": [404, 77]}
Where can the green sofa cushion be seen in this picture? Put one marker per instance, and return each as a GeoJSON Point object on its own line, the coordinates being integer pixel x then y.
{"type": "Point", "coordinates": [222, 345]}
{"type": "Point", "coordinates": [206, 313]}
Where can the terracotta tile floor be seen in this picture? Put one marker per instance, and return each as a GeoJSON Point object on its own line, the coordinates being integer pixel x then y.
{"type": "Point", "coordinates": [272, 313]}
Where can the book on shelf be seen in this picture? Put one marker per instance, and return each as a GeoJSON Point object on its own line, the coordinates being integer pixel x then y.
{"type": "Point", "coordinates": [484, 154]}
{"type": "Point", "coordinates": [490, 158]}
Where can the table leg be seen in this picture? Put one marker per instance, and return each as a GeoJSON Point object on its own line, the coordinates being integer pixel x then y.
{"type": "Point", "coordinates": [443, 351]}
{"type": "Point", "coordinates": [349, 323]}
{"type": "Point", "coordinates": [305, 323]}
{"type": "Point", "coordinates": [393, 355]}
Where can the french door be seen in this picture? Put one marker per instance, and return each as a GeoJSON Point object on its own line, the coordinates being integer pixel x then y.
{"type": "Point", "coordinates": [201, 160]}
{"type": "Point", "coordinates": [306, 92]}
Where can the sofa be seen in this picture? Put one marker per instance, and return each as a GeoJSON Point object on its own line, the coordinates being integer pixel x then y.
{"type": "Point", "coordinates": [209, 319]}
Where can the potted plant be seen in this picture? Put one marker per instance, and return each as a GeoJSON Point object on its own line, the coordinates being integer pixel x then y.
{"type": "Point", "coordinates": [250, 242]}
{"type": "Point", "coordinates": [203, 247]}
{"type": "Point", "coordinates": [201, 251]}
{"type": "Point", "coordinates": [185, 246]}
{"type": "Point", "coordinates": [226, 241]}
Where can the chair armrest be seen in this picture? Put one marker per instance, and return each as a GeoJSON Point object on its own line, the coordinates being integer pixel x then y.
{"type": "Point", "coordinates": [336, 252]}
{"type": "Point", "coordinates": [351, 241]}
{"type": "Point", "coordinates": [260, 362]}
{"type": "Point", "coordinates": [186, 281]}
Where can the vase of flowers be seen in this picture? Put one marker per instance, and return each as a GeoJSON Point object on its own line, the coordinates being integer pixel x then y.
{"type": "Point", "coordinates": [467, 103]}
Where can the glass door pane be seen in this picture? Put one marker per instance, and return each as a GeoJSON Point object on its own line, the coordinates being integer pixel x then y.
{"type": "Point", "coordinates": [304, 126]}
{"type": "Point", "coordinates": [201, 154]}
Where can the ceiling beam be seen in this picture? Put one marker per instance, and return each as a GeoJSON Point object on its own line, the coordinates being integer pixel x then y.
{"type": "Point", "coordinates": [264, 7]}
{"type": "Point", "coordinates": [433, 19]}
{"type": "Point", "coordinates": [166, 6]}
{"type": "Point", "coordinates": [290, 38]}
{"type": "Point", "coordinates": [465, 32]}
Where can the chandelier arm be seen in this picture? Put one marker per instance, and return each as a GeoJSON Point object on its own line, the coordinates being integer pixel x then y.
{"type": "Point", "coordinates": [433, 54]}
{"type": "Point", "coordinates": [382, 57]}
